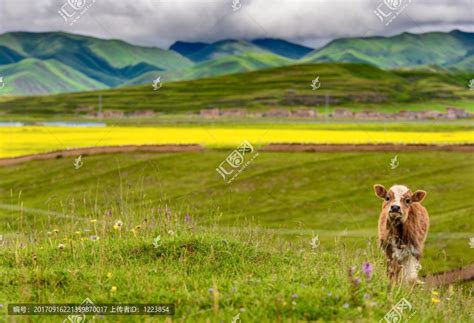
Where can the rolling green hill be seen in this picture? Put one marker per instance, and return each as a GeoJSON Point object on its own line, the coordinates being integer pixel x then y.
{"type": "Point", "coordinates": [45, 76]}
{"type": "Point", "coordinates": [105, 63]}
{"type": "Point", "coordinates": [230, 64]}
{"type": "Point", "coordinates": [224, 48]}
{"type": "Point", "coordinates": [346, 84]}
{"type": "Point", "coordinates": [102, 63]}
{"type": "Point", "coordinates": [282, 47]}
{"type": "Point", "coordinates": [201, 51]}
{"type": "Point", "coordinates": [404, 50]}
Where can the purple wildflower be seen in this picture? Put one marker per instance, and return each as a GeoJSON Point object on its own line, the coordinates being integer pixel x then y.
{"type": "Point", "coordinates": [294, 296]}
{"type": "Point", "coordinates": [211, 290]}
{"type": "Point", "coordinates": [367, 268]}
{"type": "Point", "coordinates": [187, 218]}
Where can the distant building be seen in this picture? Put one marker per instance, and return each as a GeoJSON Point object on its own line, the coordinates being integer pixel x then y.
{"type": "Point", "coordinates": [368, 114]}
{"type": "Point", "coordinates": [277, 113]}
{"type": "Point", "coordinates": [210, 113]}
{"type": "Point", "coordinates": [233, 113]}
{"type": "Point", "coordinates": [407, 115]}
{"type": "Point", "coordinates": [113, 114]}
{"type": "Point", "coordinates": [304, 113]}
{"type": "Point", "coordinates": [256, 114]}
{"type": "Point", "coordinates": [343, 113]}
{"type": "Point", "coordinates": [430, 114]}
{"type": "Point", "coordinates": [455, 113]}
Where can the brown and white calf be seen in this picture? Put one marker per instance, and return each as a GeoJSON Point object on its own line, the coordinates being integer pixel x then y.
{"type": "Point", "coordinates": [403, 227]}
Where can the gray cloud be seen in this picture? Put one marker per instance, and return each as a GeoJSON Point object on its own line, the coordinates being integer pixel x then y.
{"type": "Point", "coordinates": [160, 23]}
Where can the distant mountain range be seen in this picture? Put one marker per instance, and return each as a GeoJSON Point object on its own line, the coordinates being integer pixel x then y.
{"type": "Point", "coordinates": [454, 49]}
{"type": "Point", "coordinates": [57, 62]}
{"type": "Point", "coordinates": [199, 52]}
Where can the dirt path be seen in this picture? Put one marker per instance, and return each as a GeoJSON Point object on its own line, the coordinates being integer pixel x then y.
{"type": "Point", "coordinates": [449, 277]}
{"type": "Point", "coordinates": [101, 150]}
{"type": "Point", "coordinates": [365, 147]}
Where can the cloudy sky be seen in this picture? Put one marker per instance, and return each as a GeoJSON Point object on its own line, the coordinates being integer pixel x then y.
{"type": "Point", "coordinates": [161, 22]}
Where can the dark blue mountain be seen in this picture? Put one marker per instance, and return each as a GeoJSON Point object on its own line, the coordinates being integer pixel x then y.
{"type": "Point", "coordinates": [282, 47]}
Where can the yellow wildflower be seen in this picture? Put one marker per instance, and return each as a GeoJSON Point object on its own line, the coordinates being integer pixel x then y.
{"type": "Point", "coordinates": [113, 289]}
{"type": "Point", "coordinates": [93, 220]}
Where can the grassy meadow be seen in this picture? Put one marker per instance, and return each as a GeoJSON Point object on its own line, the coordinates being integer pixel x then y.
{"type": "Point", "coordinates": [226, 250]}
{"type": "Point", "coordinates": [292, 239]}
{"type": "Point", "coordinates": [275, 245]}
{"type": "Point", "coordinates": [356, 86]}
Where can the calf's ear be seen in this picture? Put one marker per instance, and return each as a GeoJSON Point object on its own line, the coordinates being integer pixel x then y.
{"type": "Point", "coordinates": [380, 191]}
{"type": "Point", "coordinates": [418, 196]}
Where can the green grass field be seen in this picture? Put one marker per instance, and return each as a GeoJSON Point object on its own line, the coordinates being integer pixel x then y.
{"type": "Point", "coordinates": [329, 192]}
{"type": "Point", "coordinates": [245, 247]}
{"type": "Point", "coordinates": [355, 86]}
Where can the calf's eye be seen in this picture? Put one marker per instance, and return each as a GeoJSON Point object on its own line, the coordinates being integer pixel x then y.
{"type": "Point", "coordinates": [387, 198]}
{"type": "Point", "coordinates": [408, 201]}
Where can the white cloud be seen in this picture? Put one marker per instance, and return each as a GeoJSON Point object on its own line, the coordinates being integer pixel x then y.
{"type": "Point", "coordinates": [159, 23]}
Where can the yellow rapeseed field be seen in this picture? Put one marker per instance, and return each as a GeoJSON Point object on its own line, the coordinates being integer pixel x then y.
{"type": "Point", "coordinates": [16, 141]}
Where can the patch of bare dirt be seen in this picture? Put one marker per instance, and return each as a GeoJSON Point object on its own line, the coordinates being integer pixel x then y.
{"type": "Point", "coordinates": [363, 147]}
{"type": "Point", "coordinates": [449, 277]}
{"type": "Point", "coordinates": [102, 150]}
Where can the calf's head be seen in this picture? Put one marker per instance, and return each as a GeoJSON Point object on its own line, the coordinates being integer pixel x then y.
{"type": "Point", "coordinates": [397, 201]}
